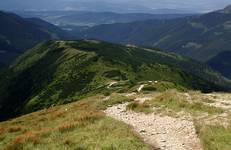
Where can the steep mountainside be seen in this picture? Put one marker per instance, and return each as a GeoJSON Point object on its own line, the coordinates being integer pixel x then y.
{"type": "Point", "coordinates": [57, 72]}
{"type": "Point", "coordinates": [222, 63]}
{"type": "Point", "coordinates": [48, 26]}
{"type": "Point", "coordinates": [200, 37]}
{"type": "Point", "coordinates": [18, 34]}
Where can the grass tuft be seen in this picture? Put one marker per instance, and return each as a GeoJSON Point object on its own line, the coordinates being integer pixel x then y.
{"type": "Point", "coordinates": [90, 116]}
{"type": "Point", "coordinates": [179, 104]}
{"type": "Point", "coordinates": [14, 129]}
{"type": "Point", "coordinates": [113, 100]}
{"type": "Point", "coordinates": [19, 141]}
{"type": "Point", "coordinates": [214, 137]}
{"type": "Point", "coordinates": [140, 107]}
{"type": "Point", "coordinates": [67, 127]}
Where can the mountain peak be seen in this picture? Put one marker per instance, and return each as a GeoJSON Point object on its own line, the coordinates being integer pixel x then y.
{"type": "Point", "coordinates": [227, 9]}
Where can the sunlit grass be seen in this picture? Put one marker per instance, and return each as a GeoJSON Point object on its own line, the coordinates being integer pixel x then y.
{"type": "Point", "coordinates": [175, 102]}
{"type": "Point", "coordinates": [112, 100]}
{"type": "Point", "coordinates": [140, 107]}
{"type": "Point", "coordinates": [214, 137]}
{"type": "Point", "coordinates": [80, 125]}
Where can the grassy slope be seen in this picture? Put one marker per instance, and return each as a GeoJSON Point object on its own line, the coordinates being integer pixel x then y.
{"type": "Point", "coordinates": [174, 102]}
{"type": "Point", "coordinates": [215, 137]}
{"type": "Point", "coordinates": [59, 72]}
{"type": "Point", "coordinates": [81, 125]}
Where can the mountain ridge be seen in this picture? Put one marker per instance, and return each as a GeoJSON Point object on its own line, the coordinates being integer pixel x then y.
{"type": "Point", "coordinates": [44, 75]}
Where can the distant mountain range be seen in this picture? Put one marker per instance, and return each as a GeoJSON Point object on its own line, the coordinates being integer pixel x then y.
{"type": "Point", "coordinates": [199, 37]}
{"type": "Point", "coordinates": [18, 34]}
{"type": "Point", "coordinates": [70, 19]}
{"type": "Point", "coordinates": [57, 72]}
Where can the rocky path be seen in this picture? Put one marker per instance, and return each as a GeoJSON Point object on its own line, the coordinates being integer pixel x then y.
{"type": "Point", "coordinates": [220, 100]}
{"type": "Point", "coordinates": [166, 133]}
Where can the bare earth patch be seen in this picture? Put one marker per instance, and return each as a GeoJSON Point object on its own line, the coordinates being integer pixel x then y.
{"type": "Point", "coordinates": [164, 132]}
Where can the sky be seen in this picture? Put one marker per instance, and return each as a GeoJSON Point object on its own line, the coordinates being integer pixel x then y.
{"type": "Point", "coordinates": [115, 5]}
{"type": "Point", "coordinates": [204, 5]}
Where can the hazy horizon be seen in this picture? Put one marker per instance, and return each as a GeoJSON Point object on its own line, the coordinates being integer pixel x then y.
{"type": "Point", "coordinates": [146, 6]}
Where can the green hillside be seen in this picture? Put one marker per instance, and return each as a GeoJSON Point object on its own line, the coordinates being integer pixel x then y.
{"type": "Point", "coordinates": [57, 72]}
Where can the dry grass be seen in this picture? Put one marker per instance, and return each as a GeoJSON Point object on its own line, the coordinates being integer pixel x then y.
{"type": "Point", "coordinates": [67, 127]}
{"type": "Point", "coordinates": [18, 142]}
{"type": "Point", "coordinates": [72, 126]}
{"type": "Point", "coordinates": [90, 116]}
{"type": "Point", "coordinates": [114, 99]}
{"type": "Point", "coordinates": [82, 125]}
{"type": "Point", "coordinates": [214, 137]}
{"type": "Point", "coordinates": [140, 107]}
{"type": "Point", "coordinates": [14, 129]}
{"type": "Point", "coordinates": [174, 102]}
{"type": "Point", "coordinates": [2, 131]}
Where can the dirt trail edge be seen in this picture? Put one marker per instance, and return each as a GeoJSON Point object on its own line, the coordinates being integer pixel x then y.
{"type": "Point", "coordinates": [163, 132]}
